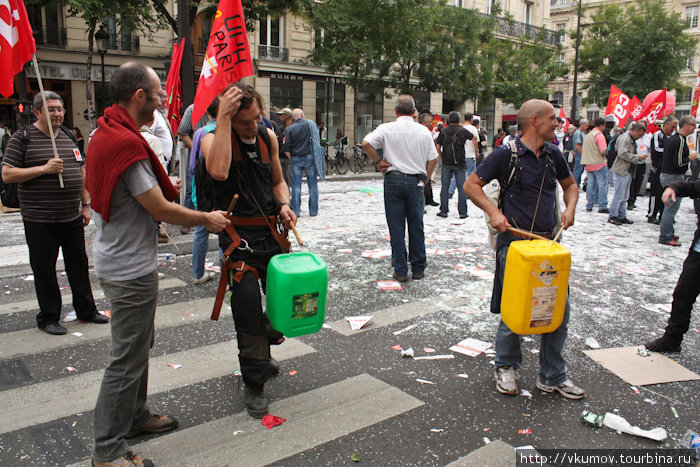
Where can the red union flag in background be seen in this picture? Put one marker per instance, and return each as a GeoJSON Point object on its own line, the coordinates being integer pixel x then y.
{"type": "Point", "coordinates": [434, 128]}
{"type": "Point", "coordinates": [562, 115]}
{"type": "Point", "coordinates": [618, 106]}
{"type": "Point", "coordinates": [636, 109]}
{"type": "Point", "coordinates": [696, 98]}
{"type": "Point", "coordinates": [173, 87]}
{"type": "Point", "coordinates": [653, 109]}
{"type": "Point", "coordinates": [16, 42]}
{"type": "Point", "coordinates": [227, 58]}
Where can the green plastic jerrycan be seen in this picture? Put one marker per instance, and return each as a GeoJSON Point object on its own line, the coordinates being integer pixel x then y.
{"type": "Point", "coordinates": [297, 286]}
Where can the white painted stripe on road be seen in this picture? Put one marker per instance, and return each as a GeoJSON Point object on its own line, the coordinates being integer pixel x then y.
{"type": "Point", "coordinates": [313, 418]}
{"type": "Point", "coordinates": [17, 255]}
{"type": "Point", "coordinates": [97, 294]}
{"type": "Point", "coordinates": [39, 403]}
{"type": "Point", "coordinates": [393, 315]}
{"type": "Point", "coordinates": [31, 341]}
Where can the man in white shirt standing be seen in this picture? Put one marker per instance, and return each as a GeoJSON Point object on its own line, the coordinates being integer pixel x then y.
{"type": "Point", "coordinates": [409, 159]}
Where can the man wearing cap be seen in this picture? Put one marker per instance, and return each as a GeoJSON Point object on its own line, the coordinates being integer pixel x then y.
{"type": "Point", "coordinates": [286, 119]}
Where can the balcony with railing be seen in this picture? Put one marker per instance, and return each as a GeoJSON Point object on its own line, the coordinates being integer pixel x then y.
{"type": "Point", "coordinates": [273, 53]}
{"type": "Point", "coordinates": [126, 42]}
{"type": "Point", "coordinates": [560, 4]}
{"type": "Point", "coordinates": [50, 37]}
{"type": "Point", "coordinates": [516, 29]}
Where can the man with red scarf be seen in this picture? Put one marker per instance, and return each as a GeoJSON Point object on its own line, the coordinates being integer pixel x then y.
{"type": "Point", "coordinates": [130, 191]}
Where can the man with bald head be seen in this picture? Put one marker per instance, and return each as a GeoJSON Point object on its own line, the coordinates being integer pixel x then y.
{"type": "Point", "coordinates": [527, 203]}
{"type": "Point", "coordinates": [297, 145]}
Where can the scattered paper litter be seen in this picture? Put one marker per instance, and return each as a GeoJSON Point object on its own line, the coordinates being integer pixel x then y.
{"type": "Point", "coordinates": [437, 430]}
{"type": "Point", "coordinates": [237, 432]}
{"type": "Point", "coordinates": [470, 346]}
{"type": "Point", "coordinates": [526, 393]}
{"type": "Point", "coordinates": [407, 353]}
{"type": "Point", "coordinates": [70, 317]}
{"type": "Point", "coordinates": [326, 326]}
{"type": "Point", "coordinates": [535, 351]}
{"type": "Point", "coordinates": [526, 431]}
{"type": "Point", "coordinates": [634, 269]}
{"type": "Point", "coordinates": [397, 347]}
{"type": "Point", "coordinates": [650, 401]}
{"type": "Point", "coordinates": [389, 285]}
{"type": "Point", "coordinates": [480, 273]}
{"type": "Point", "coordinates": [675, 414]}
{"type": "Point", "coordinates": [635, 389]}
{"type": "Point", "coordinates": [592, 343]}
{"type": "Point", "coordinates": [486, 440]}
{"type": "Point", "coordinates": [406, 329]}
{"type": "Point", "coordinates": [528, 339]}
{"type": "Point", "coordinates": [292, 372]}
{"type": "Point", "coordinates": [29, 277]}
{"type": "Point", "coordinates": [70, 368]}
{"type": "Point", "coordinates": [376, 254]}
{"type": "Point", "coordinates": [463, 375]}
{"type": "Point", "coordinates": [74, 423]}
{"type": "Point", "coordinates": [434, 357]}
{"type": "Point", "coordinates": [271, 420]}
{"type": "Point", "coordinates": [424, 381]}
{"type": "Point", "coordinates": [618, 423]}
{"type": "Point", "coordinates": [344, 250]}
{"type": "Point", "coordinates": [212, 268]}
{"type": "Point", "coordinates": [175, 365]}
{"type": "Point", "coordinates": [428, 349]}
{"type": "Point", "coordinates": [77, 334]}
{"type": "Point", "coordinates": [358, 322]}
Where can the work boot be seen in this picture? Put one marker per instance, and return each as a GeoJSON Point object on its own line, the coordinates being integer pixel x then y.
{"type": "Point", "coordinates": [664, 343]}
{"type": "Point", "coordinates": [255, 402]}
{"type": "Point", "coordinates": [274, 367]}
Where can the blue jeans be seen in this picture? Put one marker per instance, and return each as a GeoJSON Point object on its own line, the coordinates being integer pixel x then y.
{"type": "Point", "coordinates": [200, 246]}
{"type": "Point", "coordinates": [304, 164]}
{"type": "Point", "coordinates": [618, 205]}
{"type": "Point", "coordinates": [471, 167]}
{"type": "Point", "coordinates": [669, 216]}
{"type": "Point", "coordinates": [404, 204]}
{"type": "Point", "coordinates": [508, 352]}
{"type": "Point", "coordinates": [578, 168]}
{"type": "Point", "coordinates": [452, 172]}
{"type": "Point", "coordinates": [597, 189]}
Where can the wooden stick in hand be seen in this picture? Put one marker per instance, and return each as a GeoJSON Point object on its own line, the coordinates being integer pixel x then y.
{"type": "Point", "coordinates": [296, 234]}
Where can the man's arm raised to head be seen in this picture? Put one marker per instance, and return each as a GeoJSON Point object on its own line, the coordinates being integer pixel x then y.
{"type": "Point", "coordinates": [216, 147]}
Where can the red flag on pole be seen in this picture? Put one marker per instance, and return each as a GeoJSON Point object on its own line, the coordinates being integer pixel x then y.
{"type": "Point", "coordinates": [654, 107]}
{"type": "Point", "coordinates": [562, 115]}
{"type": "Point", "coordinates": [636, 109]}
{"type": "Point", "coordinates": [16, 43]}
{"type": "Point", "coordinates": [434, 129]}
{"type": "Point", "coordinates": [173, 87]}
{"type": "Point", "coordinates": [227, 58]}
{"type": "Point", "coordinates": [618, 106]}
{"type": "Point", "coordinates": [696, 98]}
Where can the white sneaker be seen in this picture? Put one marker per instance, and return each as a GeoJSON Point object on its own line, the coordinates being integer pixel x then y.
{"type": "Point", "coordinates": [507, 380]}
{"type": "Point", "coordinates": [208, 275]}
{"type": "Point", "coordinates": [566, 389]}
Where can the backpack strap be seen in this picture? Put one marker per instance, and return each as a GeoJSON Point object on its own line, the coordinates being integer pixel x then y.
{"type": "Point", "coordinates": [512, 167]}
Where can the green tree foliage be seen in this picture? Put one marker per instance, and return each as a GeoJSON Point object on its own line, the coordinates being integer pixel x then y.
{"type": "Point", "coordinates": [638, 49]}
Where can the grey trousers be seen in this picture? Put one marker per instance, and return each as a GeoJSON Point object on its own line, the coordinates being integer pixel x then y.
{"type": "Point", "coordinates": [122, 399]}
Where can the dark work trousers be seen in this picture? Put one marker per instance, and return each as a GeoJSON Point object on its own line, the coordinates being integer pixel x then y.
{"type": "Point", "coordinates": [684, 297]}
{"type": "Point", "coordinates": [253, 330]}
{"type": "Point", "coordinates": [636, 185]}
{"type": "Point", "coordinates": [428, 192]}
{"type": "Point", "coordinates": [656, 205]}
{"type": "Point", "coordinates": [44, 239]}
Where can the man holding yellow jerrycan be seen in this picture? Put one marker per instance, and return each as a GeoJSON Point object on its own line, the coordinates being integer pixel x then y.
{"type": "Point", "coordinates": [536, 299]}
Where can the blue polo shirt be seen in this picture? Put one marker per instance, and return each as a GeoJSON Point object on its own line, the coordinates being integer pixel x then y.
{"type": "Point", "coordinates": [521, 197]}
{"type": "Point", "coordinates": [297, 139]}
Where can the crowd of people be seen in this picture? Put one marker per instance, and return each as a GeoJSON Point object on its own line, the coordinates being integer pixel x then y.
{"type": "Point", "coordinates": [243, 181]}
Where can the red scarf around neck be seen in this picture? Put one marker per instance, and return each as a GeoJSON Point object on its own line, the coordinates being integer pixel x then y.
{"type": "Point", "coordinates": [114, 147]}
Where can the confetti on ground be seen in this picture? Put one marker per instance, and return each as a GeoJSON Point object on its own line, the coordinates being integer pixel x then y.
{"type": "Point", "coordinates": [526, 393]}
{"type": "Point", "coordinates": [486, 440]}
{"type": "Point", "coordinates": [396, 347]}
{"type": "Point", "coordinates": [344, 250]}
{"type": "Point", "coordinates": [293, 372]}
{"type": "Point", "coordinates": [535, 351]}
{"type": "Point", "coordinates": [358, 322]}
{"type": "Point", "coordinates": [74, 423]}
{"type": "Point", "coordinates": [635, 389]}
{"type": "Point", "coordinates": [406, 329]}
{"type": "Point", "coordinates": [237, 373]}
{"type": "Point", "coordinates": [175, 365]}
{"type": "Point", "coordinates": [407, 353]}
{"type": "Point", "coordinates": [470, 346]}
{"type": "Point", "coordinates": [376, 254]}
{"type": "Point", "coordinates": [355, 457]}
{"type": "Point", "coordinates": [476, 271]}
{"type": "Point", "coordinates": [487, 429]}
{"type": "Point", "coordinates": [526, 431]}
{"type": "Point", "coordinates": [428, 349]}
{"type": "Point", "coordinates": [675, 414]}
{"type": "Point", "coordinates": [237, 432]}
{"type": "Point", "coordinates": [434, 357]}
{"type": "Point", "coordinates": [29, 278]}
{"type": "Point", "coordinates": [77, 334]}
{"type": "Point", "coordinates": [326, 326]}
{"type": "Point", "coordinates": [633, 269]}
{"type": "Point", "coordinates": [271, 420]}
{"type": "Point", "coordinates": [437, 430]}
{"type": "Point", "coordinates": [70, 317]}
{"type": "Point", "coordinates": [463, 375]}
{"type": "Point", "coordinates": [424, 381]}
{"type": "Point", "coordinates": [389, 285]}
{"type": "Point", "coordinates": [70, 368]}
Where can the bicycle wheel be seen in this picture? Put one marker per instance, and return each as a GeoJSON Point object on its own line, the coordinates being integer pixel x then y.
{"type": "Point", "coordinates": [341, 164]}
{"type": "Point", "coordinates": [354, 165]}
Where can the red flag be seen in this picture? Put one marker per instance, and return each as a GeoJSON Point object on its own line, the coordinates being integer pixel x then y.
{"type": "Point", "coordinates": [227, 58]}
{"type": "Point", "coordinates": [635, 108]}
{"type": "Point", "coordinates": [434, 129]}
{"type": "Point", "coordinates": [696, 98]}
{"type": "Point", "coordinates": [562, 115]}
{"type": "Point", "coordinates": [653, 109]}
{"type": "Point", "coordinates": [173, 87]}
{"type": "Point", "coordinates": [16, 43]}
{"type": "Point", "coordinates": [618, 106]}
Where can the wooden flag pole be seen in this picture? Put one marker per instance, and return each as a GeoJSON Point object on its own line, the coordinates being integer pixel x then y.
{"type": "Point", "coordinates": [48, 117]}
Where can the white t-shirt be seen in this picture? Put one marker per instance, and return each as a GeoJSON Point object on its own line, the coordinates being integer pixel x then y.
{"type": "Point", "coordinates": [644, 147]}
{"type": "Point", "coordinates": [469, 150]}
{"type": "Point", "coordinates": [161, 130]}
{"type": "Point", "coordinates": [407, 145]}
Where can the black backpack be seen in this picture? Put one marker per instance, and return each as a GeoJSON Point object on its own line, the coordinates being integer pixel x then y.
{"type": "Point", "coordinates": [612, 151]}
{"type": "Point", "coordinates": [453, 146]}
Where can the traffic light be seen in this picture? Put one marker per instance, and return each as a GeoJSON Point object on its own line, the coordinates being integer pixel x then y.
{"type": "Point", "coordinates": [24, 107]}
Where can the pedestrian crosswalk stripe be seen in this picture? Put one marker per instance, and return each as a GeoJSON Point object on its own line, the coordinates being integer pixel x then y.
{"type": "Point", "coordinates": [393, 315]}
{"type": "Point", "coordinates": [97, 294]}
{"type": "Point", "coordinates": [30, 341]}
{"type": "Point", "coordinates": [313, 418]}
{"type": "Point", "coordinates": [42, 402]}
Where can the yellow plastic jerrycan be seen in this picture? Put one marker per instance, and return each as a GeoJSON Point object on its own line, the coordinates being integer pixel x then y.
{"type": "Point", "coordinates": [297, 286]}
{"type": "Point", "coordinates": [535, 286]}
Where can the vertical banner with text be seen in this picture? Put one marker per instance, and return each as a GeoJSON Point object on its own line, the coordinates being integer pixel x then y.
{"type": "Point", "coordinates": [618, 106]}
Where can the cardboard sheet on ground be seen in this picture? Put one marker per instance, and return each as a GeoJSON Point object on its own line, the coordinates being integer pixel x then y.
{"type": "Point", "coordinates": [641, 371]}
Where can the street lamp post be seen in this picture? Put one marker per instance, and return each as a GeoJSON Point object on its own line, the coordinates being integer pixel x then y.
{"type": "Point", "coordinates": [574, 98]}
{"type": "Point", "coordinates": [102, 38]}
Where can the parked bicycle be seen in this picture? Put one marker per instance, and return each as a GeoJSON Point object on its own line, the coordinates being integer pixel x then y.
{"type": "Point", "coordinates": [339, 161]}
{"type": "Point", "coordinates": [358, 161]}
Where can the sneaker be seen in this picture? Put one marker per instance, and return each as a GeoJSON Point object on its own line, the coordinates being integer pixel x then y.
{"type": "Point", "coordinates": [126, 460]}
{"type": "Point", "coordinates": [614, 221]}
{"type": "Point", "coordinates": [664, 344]}
{"type": "Point", "coordinates": [624, 220]}
{"type": "Point", "coordinates": [206, 277]}
{"type": "Point", "coordinates": [566, 389]}
{"type": "Point", "coordinates": [507, 380]}
{"type": "Point", "coordinates": [54, 329]}
{"type": "Point", "coordinates": [155, 424]}
{"type": "Point", "coordinates": [255, 402]}
{"type": "Point", "coordinates": [463, 216]}
{"type": "Point", "coordinates": [604, 211]}
{"type": "Point", "coordinates": [442, 214]}
{"type": "Point", "coordinates": [400, 278]}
